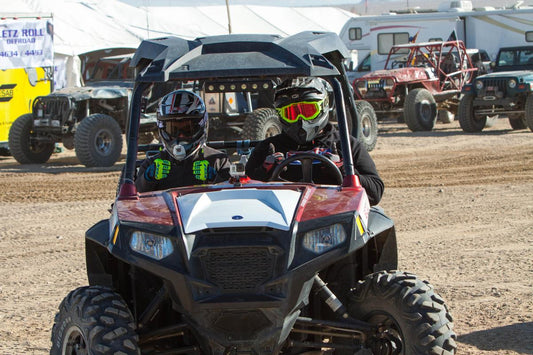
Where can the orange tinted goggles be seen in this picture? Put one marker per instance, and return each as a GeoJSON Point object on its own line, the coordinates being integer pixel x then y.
{"type": "Point", "coordinates": [300, 110]}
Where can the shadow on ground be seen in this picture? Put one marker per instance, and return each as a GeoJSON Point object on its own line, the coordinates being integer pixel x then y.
{"type": "Point", "coordinates": [516, 337]}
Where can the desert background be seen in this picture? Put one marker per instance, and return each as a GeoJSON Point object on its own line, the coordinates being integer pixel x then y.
{"type": "Point", "coordinates": [462, 204]}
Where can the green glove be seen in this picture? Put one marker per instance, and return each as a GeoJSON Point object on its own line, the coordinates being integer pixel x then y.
{"type": "Point", "coordinates": [158, 170]}
{"type": "Point", "coordinates": [200, 170]}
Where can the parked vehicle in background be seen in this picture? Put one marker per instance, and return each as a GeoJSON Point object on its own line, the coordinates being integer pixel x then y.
{"type": "Point", "coordinates": [90, 119]}
{"type": "Point", "coordinates": [506, 92]}
{"type": "Point", "coordinates": [419, 82]}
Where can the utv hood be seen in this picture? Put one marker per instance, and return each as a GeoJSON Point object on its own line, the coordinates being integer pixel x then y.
{"type": "Point", "coordinates": [238, 208]}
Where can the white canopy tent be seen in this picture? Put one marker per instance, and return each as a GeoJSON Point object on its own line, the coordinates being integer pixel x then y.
{"type": "Point", "coordinates": [82, 26]}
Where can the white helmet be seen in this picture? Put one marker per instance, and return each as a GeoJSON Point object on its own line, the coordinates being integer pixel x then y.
{"type": "Point", "coordinates": [182, 122]}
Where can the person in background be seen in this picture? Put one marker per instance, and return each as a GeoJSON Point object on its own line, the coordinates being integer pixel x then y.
{"type": "Point", "coordinates": [182, 122]}
{"type": "Point", "coordinates": [304, 108]}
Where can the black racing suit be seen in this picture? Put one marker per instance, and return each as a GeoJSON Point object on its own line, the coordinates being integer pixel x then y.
{"type": "Point", "coordinates": [329, 138]}
{"type": "Point", "coordinates": [183, 173]}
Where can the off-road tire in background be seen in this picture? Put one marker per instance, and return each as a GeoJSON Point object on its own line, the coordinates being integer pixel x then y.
{"type": "Point", "coordinates": [93, 320]}
{"type": "Point", "coordinates": [20, 145]}
{"type": "Point", "coordinates": [420, 110]}
{"type": "Point", "coordinates": [518, 122]}
{"type": "Point", "coordinates": [409, 309]}
{"type": "Point", "coordinates": [529, 112]}
{"type": "Point", "coordinates": [98, 141]}
{"type": "Point", "coordinates": [367, 133]}
{"type": "Point", "coordinates": [467, 120]}
{"type": "Point", "coordinates": [260, 124]}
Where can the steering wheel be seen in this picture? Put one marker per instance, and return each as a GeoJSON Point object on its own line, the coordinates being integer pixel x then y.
{"type": "Point", "coordinates": [306, 160]}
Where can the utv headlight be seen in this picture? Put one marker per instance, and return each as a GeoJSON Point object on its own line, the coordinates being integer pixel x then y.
{"type": "Point", "coordinates": [152, 245]}
{"type": "Point", "coordinates": [479, 84]}
{"type": "Point", "coordinates": [323, 239]}
{"type": "Point", "coordinates": [512, 83]}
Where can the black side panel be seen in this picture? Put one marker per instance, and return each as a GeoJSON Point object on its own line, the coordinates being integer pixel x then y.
{"type": "Point", "coordinates": [97, 255]}
{"type": "Point", "coordinates": [384, 234]}
{"type": "Point", "coordinates": [96, 258]}
{"type": "Point", "coordinates": [99, 233]}
{"type": "Point", "coordinates": [378, 221]}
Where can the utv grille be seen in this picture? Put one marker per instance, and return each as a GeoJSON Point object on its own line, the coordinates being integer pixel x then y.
{"type": "Point", "coordinates": [242, 269]}
{"type": "Point", "coordinates": [494, 85]}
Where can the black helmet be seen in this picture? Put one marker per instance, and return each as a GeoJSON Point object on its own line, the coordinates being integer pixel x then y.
{"type": "Point", "coordinates": [182, 121]}
{"type": "Point", "coordinates": [303, 106]}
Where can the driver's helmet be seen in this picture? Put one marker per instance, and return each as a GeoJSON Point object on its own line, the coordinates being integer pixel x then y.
{"type": "Point", "coordinates": [182, 122]}
{"type": "Point", "coordinates": [303, 107]}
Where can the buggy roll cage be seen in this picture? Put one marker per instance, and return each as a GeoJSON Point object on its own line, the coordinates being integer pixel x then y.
{"type": "Point", "coordinates": [256, 56]}
{"type": "Point", "coordinates": [432, 55]}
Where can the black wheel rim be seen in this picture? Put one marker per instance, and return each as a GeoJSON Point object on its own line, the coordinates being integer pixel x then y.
{"type": "Point", "coordinates": [389, 340]}
{"type": "Point", "coordinates": [75, 343]}
{"type": "Point", "coordinates": [103, 142]}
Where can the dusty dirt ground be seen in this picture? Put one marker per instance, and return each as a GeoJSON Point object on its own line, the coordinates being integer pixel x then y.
{"type": "Point", "coordinates": [462, 204]}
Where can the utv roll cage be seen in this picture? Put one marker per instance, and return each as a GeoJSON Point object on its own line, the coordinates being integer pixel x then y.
{"type": "Point", "coordinates": [246, 60]}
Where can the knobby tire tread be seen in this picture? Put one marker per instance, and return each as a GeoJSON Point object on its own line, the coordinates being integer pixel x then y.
{"type": "Point", "coordinates": [428, 325]}
{"type": "Point", "coordinates": [104, 317]}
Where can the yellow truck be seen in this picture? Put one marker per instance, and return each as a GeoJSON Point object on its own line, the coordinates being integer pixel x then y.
{"type": "Point", "coordinates": [18, 89]}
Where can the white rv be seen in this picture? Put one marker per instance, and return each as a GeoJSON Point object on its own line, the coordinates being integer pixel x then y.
{"type": "Point", "coordinates": [371, 37]}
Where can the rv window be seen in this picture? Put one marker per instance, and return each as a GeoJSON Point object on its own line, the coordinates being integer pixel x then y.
{"type": "Point", "coordinates": [387, 40]}
{"type": "Point", "coordinates": [436, 39]}
{"type": "Point", "coordinates": [529, 36]}
{"type": "Point", "coordinates": [355, 34]}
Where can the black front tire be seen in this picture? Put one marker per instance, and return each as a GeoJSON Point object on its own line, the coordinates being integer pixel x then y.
{"type": "Point", "coordinates": [467, 119]}
{"type": "Point", "coordinates": [93, 320]}
{"type": "Point", "coordinates": [261, 124]}
{"type": "Point", "coordinates": [21, 145]}
{"type": "Point", "coordinates": [529, 112]}
{"type": "Point", "coordinates": [420, 110]}
{"type": "Point", "coordinates": [367, 133]}
{"type": "Point", "coordinates": [98, 141]}
{"type": "Point", "coordinates": [413, 316]}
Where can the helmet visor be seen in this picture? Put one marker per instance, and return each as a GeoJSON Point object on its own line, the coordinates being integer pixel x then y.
{"type": "Point", "coordinates": [305, 110]}
{"type": "Point", "coordinates": [182, 129]}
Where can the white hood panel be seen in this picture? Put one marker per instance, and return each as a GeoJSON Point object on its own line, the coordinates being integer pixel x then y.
{"type": "Point", "coordinates": [238, 208]}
